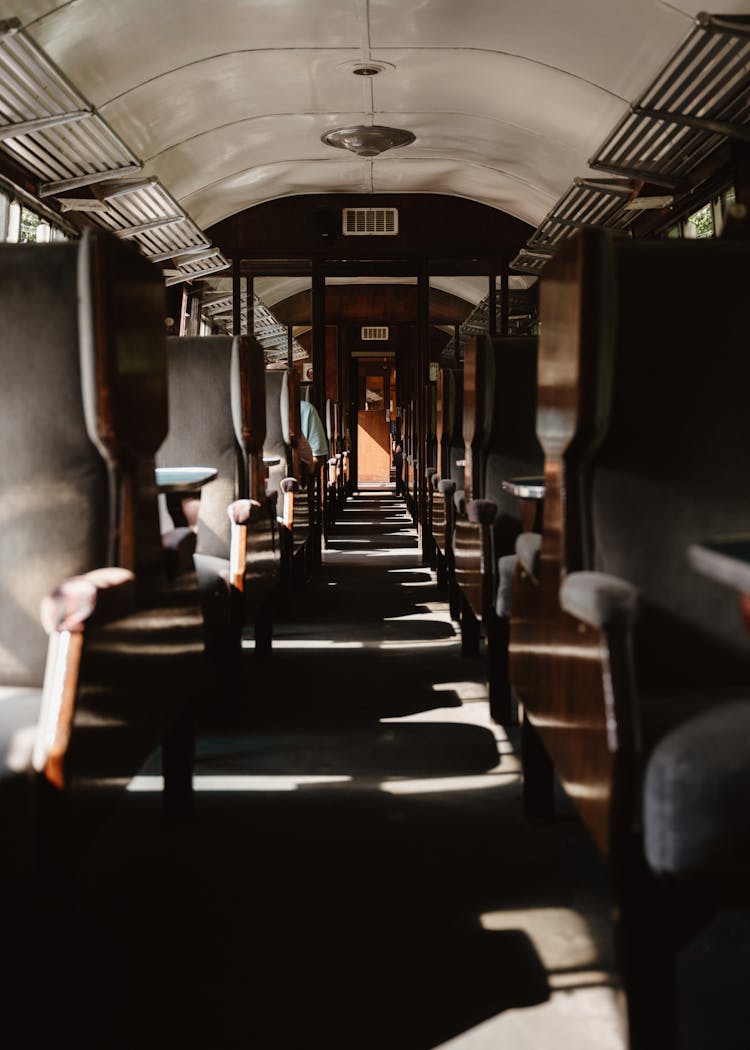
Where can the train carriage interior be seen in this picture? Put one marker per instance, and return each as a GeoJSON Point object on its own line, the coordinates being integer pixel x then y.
{"type": "Point", "coordinates": [375, 503]}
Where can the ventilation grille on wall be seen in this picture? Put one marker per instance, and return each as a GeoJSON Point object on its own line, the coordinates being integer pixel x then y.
{"type": "Point", "coordinates": [377, 334]}
{"type": "Point", "coordinates": [370, 222]}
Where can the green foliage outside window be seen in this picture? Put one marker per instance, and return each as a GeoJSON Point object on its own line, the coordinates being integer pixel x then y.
{"type": "Point", "coordinates": [29, 223]}
{"type": "Point", "coordinates": [703, 221]}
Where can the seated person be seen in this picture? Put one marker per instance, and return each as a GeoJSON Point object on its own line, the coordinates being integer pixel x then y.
{"type": "Point", "coordinates": [313, 432]}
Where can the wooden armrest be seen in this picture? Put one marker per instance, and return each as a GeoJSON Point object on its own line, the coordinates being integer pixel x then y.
{"type": "Point", "coordinates": [240, 513]}
{"type": "Point", "coordinates": [94, 598]}
{"type": "Point", "coordinates": [289, 487]}
{"type": "Point", "coordinates": [98, 596]}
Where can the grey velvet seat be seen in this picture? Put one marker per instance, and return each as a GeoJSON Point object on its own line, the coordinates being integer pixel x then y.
{"type": "Point", "coordinates": [333, 469]}
{"type": "Point", "coordinates": [664, 477]}
{"type": "Point", "coordinates": [84, 376]}
{"type": "Point", "coordinates": [217, 419]}
{"type": "Point", "coordinates": [282, 430]}
{"type": "Point", "coordinates": [448, 482]}
{"type": "Point", "coordinates": [502, 444]}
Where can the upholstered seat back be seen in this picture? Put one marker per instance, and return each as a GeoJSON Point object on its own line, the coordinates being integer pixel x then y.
{"type": "Point", "coordinates": [84, 407]}
{"type": "Point", "coordinates": [432, 439]}
{"type": "Point", "coordinates": [673, 466]}
{"type": "Point", "coordinates": [511, 446]}
{"type": "Point", "coordinates": [276, 444]}
{"type": "Point", "coordinates": [330, 423]}
{"type": "Point", "coordinates": [212, 423]}
{"type": "Point", "coordinates": [441, 422]}
{"type": "Point", "coordinates": [453, 428]}
{"type": "Point", "coordinates": [472, 418]}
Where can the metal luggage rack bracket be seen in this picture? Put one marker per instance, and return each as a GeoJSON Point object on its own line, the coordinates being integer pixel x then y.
{"type": "Point", "coordinates": [532, 262]}
{"type": "Point", "coordinates": [587, 203]}
{"type": "Point", "coordinates": [217, 306]}
{"type": "Point", "coordinates": [478, 321]}
{"type": "Point", "coordinates": [700, 99]}
{"type": "Point", "coordinates": [51, 130]}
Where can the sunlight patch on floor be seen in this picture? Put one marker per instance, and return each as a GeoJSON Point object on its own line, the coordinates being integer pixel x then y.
{"type": "Point", "coordinates": [307, 643]}
{"type": "Point", "coordinates": [578, 1019]}
{"type": "Point", "coordinates": [473, 711]}
{"type": "Point", "coordinates": [446, 785]}
{"type": "Point", "coordinates": [237, 782]}
{"type": "Point", "coordinates": [406, 556]}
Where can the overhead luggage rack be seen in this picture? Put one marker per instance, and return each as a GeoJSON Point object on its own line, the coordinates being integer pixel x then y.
{"type": "Point", "coordinates": [46, 124]}
{"type": "Point", "coordinates": [588, 202]}
{"type": "Point", "coordinates": [52, 131]}
{"type": "Point", "coordinates": [267, 329]}
{"type": "Point", "coordinates": [522, 306]}
{"type": "Point", "coordinates": [700, 99]}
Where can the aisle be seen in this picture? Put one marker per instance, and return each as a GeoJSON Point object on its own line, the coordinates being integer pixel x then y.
{"type": "Point", "coordinates": [358, 876]}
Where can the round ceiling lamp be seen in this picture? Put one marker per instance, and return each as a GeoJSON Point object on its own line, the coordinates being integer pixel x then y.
{"type": "Point", "coordinates": [367, 141]}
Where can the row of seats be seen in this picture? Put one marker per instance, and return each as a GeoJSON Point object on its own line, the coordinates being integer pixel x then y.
{"type": "Point", "coordinates": [486, 436]}
{"type": "Point", "coordinates": [143, 597]}
{"type": "Point", "coordinates": [632, 667]}
{"type": "Point", "coordinates": [338, 466]}
{"type": "Point", "coordinates": [114, 663]}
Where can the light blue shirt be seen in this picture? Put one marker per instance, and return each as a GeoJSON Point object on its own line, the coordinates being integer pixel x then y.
{"type": "Point", "coordinates": [313, 429]}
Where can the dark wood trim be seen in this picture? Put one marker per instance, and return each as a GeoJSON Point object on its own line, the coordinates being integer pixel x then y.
{"type": "Point", "coordinates": [236, 298]}
{"type": "Point", "coordinates": [505, 301]}
{"type": "Point", "coordinates": [492, 303]}
{"type": "Point", "coordinates": [250, 304]}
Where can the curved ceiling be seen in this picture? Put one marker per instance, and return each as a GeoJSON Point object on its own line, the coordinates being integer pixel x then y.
{"type": "Point", "coordinates": [225, 101]}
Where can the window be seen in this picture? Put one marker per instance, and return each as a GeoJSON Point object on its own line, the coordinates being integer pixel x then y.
{"type": "Point", "coordinates": [4, 216]}
{"type": "Point", "coordinates": [19, 224]}
{"type": "Point", "coordinates": [29, 226]}
{"type": "Point", "coordinates": [701, 223]}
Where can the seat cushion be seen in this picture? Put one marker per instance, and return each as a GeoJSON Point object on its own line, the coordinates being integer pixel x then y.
{"type": "Point", "coordinates": [696, 791]}
{"type": "Point", "coordinates": [19, 714]}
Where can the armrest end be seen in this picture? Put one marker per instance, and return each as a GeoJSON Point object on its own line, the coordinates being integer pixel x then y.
{"type": "Point", "coordinates": [599, 599]}
{"type": "Point", "coordinates": [528, 549]}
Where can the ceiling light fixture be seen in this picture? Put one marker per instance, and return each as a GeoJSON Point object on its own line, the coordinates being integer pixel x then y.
{"type": "Point", "coordinates": [367, 141]}
{"type": "Point", "coordinates": [366, 67]}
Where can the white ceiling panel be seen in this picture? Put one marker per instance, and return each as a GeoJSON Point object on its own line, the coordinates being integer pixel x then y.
{"type": "Point", "coordinates": [232, 194]}
{"type": "Point", "coordinates": [605, 42]}
{"type": "Point", "coordinates": [112, 46]}
{"type": "Point", "coordinates": [525, 156]}
{"type": "Point", "coordinates": [255, 144]}
{"type": "Point", "coordinates": [694, 7]}
{"type": "Point", "coordinates": [512, 153]}
{"type": "Point", "coordinates": [229, 89]}
{"type": "Point", "coordinates": [539, 99]}
{"type": "Point", "coordinates": [464, 180]}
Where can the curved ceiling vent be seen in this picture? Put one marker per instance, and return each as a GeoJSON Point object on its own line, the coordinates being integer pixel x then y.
{"type": "Point", "coordinates": [374, 333]}
{"type": "Point", "coordinates": [370, 222]}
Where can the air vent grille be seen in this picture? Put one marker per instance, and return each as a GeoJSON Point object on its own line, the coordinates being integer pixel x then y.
{"type": "Point", "coordinates": [370, 333]}
{"type": "Point", "coordinates": [370, 222]}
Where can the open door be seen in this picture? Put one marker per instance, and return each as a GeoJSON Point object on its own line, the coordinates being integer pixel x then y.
{"type": "Point", "coordinates": [373, 426]}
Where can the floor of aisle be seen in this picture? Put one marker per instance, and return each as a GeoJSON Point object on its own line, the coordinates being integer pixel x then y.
{"type": "Point", "coordinates": [358, 875]}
